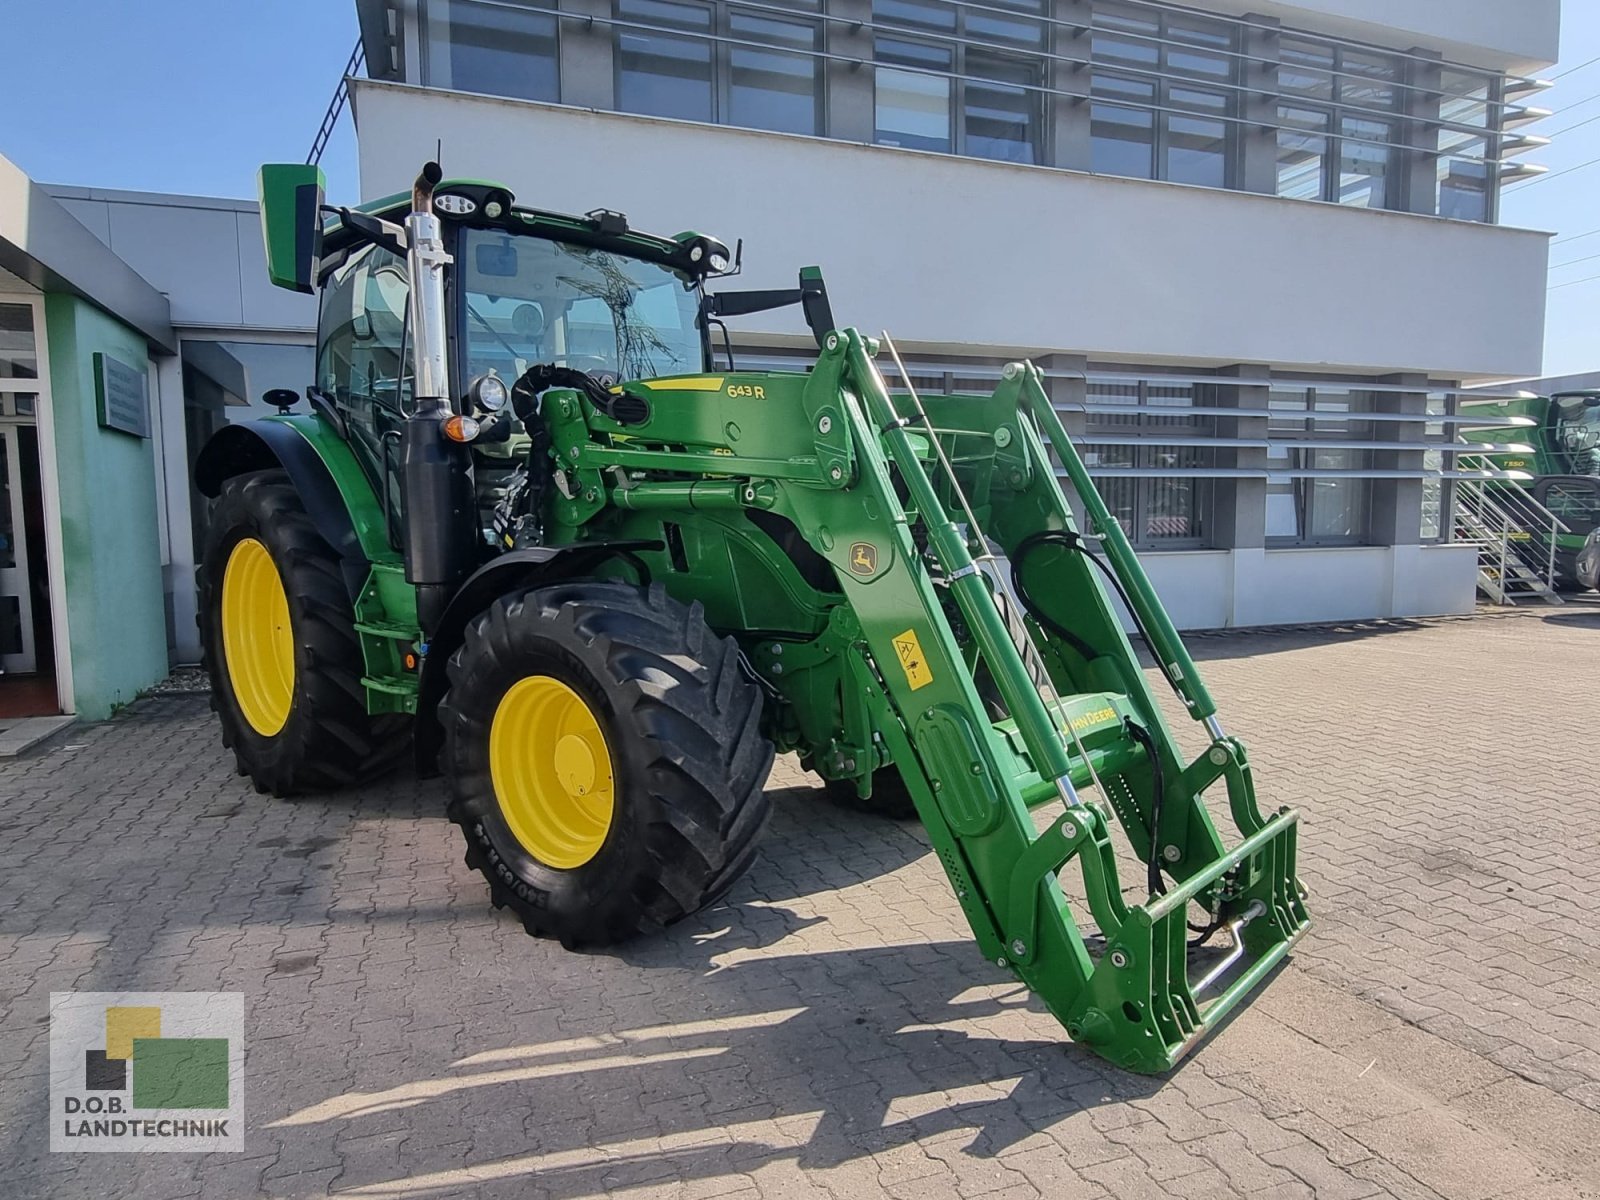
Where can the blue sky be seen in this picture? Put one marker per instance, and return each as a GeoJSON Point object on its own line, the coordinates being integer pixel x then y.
{"type": "Point", "coordinates": [1568, 205]}
{"type": "Point", "coordinates": [192, 95]}
{"type": "Point", "coordinates": [173, 95]}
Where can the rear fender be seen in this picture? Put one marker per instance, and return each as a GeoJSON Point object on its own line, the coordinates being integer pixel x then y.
{"type": "Point", "coordinates": [512, 571]}
{"type": "Point", "coordinates": [337, 495]}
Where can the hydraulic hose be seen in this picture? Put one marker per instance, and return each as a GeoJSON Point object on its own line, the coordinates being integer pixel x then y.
{"type": "Point", "coordinates": [1072, 540]}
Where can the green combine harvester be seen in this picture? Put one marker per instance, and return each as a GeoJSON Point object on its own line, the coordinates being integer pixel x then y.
{"type": "Point", "coordinates": [1557, 451]}
{"type": "Point", "coordinates": [597, 578]}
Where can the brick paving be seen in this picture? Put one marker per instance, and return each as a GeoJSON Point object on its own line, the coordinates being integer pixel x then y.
{"type": "Point", "coordinates": [829, 1030]}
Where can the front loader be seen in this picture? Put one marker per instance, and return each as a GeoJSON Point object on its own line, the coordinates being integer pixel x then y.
{"type": "Point", "coordinates": [600, 580]}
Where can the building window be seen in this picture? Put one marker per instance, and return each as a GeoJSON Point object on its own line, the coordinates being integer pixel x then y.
{"type": "Point", "coordinates": [959, 80]}
{"type": "Point", "coordinates": [665, 74]}
{"type": "Point", "coordinates": [715, 62]}
{"type": "Point", "coordinates": [1335, 140]}
{"type": "Point", "coordinates": [1316, 494]}
{"type": "Point", "coordinates": [1466, 176]}
{"type": "Point", "coordinates": [19, 359]}
{"type": "Point", "coordinates": [1433, 462]}
{"type": "Point", "coordinates": [1152, 114]}
{"type": "Point", "coordinates": [1160, 502]}
{"type": "Point", "coordinates": [501, 49]}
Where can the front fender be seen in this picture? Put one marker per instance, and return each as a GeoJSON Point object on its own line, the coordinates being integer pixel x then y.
{"type": "Point", "coordinates": [512, 571]}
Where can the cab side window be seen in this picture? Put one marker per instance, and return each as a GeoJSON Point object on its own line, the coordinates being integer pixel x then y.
{"type": "Point", "coordinates": [361, 351]}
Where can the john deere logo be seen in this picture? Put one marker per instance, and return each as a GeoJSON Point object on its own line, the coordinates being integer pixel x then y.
{"type": "Point", "coordinates": [863, 558]}
{"type": "Point", "coordinates": [146, 1071]}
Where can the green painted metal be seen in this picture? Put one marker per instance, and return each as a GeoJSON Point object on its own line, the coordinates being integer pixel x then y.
{"type": "Point", "coordinates": [291, 223]}
{"type": "Point", "coordinates": [1564, 436]}
{"type": "Point", "coordinates": [386, 608]}
{"type": "Point", "coordinates": [884, 664]}
{"type": "Point", "coordinates": [1559, 437]}
{"type": "Point", "coordinates": [854, 542]}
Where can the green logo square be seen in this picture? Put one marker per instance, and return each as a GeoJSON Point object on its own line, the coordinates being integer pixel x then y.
{"type": "Point", "coordinates": [180, 1073]}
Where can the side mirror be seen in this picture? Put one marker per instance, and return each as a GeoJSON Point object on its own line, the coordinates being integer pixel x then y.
{"type": "Point", "coordinates": [291, 223]}
{"type": "Point", "coordinates": [282, 399]}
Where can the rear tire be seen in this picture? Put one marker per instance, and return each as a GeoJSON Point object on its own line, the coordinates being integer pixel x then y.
{"type": "Point", "coordinates": [303, 724]}
{"type": "Point", "coordinates": [634, 775]}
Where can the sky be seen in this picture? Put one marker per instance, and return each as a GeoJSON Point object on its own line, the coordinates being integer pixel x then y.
{"type": "Point", "coordinates": [191, 96]}
{"type": "Point", "coordinates": [187, 96]}
{"type": "Point", "coordinates": [1568, 204]}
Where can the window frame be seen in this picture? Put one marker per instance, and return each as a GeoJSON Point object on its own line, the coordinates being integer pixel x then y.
{"type": "Point", "coordinates": [1162, 77]}
{"type": "Point", "coordinates": [1338, 110]}
{"type": "Point", "coordinates": [722, 45]}
{"type": "Point", "coordinates": [1302, 449]}
{"type": "Point", "coordinates": [1147, 426]}
{"type": "Point", "coordinates": [447, 43]}
{"type": "Point", "coordinates": [960, 78]}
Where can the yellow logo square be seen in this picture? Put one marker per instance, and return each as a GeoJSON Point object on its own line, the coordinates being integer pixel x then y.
{"type": "Point", "coordinates": [126, 1023]}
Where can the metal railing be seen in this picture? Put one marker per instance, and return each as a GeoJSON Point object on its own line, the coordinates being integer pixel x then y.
{"type": "Point", "coordinates": [1499, 113]}
{"type": "Point", "coordinates": [1516, 540]}
{"type": "Point", "coordinates": [341, 97]}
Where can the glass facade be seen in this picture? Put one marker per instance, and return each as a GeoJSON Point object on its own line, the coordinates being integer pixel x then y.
{"type": "Point", "coordinates": [1315, 492]}
{"type": "Point", "coordinates": [1118, 87]}
{"type": "Point", "coordinates": [1158, 111]}
{"type": "Point", "coordinates": [1160, 503]}
{"type": "Point", "coordinates": [503, 49]}
{"type": "Point", "coordinates": [959, 80]}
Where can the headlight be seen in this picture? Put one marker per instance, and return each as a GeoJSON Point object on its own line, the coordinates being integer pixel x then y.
{"type": "Point", "coordinates": [488, 393]}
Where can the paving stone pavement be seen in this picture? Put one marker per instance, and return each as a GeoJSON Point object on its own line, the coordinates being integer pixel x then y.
{"type": "Point", "coordinates": [829, 1030]}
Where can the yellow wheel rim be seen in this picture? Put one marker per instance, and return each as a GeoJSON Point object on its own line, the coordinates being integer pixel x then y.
{"type": "Point", "coordinates": [257, 642]}
{"type": "Point", "coordinates": [551, 772]}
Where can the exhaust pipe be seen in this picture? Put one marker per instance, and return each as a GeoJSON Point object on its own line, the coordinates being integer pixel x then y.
{"type": "Point", "coordinates": [440, 512]}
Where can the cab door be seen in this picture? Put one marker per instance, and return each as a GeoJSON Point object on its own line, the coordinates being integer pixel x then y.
{"type": "Point", "coordinates": [362, 363]}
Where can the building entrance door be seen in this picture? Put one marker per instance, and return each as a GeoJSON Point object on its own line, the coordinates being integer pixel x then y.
{"type": "Point", "coordinates": [21, 548]}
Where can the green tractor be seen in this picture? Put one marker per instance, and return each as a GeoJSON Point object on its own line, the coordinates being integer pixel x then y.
{"type": "Point", "coordinates": [537, 525]}
{"type": "Point", "coordinates": [1555, 445]}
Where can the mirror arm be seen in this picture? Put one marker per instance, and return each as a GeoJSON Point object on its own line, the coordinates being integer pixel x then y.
{"type": "Point", "coordinates": [374, 230]}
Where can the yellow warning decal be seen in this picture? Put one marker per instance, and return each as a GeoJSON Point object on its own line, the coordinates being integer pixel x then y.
{"type": "Point", "coordinates": [912, 661]}
{"type": "Point", "coordinates": [700, 383]}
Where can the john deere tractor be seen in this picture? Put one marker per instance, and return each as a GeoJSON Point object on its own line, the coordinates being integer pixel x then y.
{"type": "Point", "coordinates": [536, 524]}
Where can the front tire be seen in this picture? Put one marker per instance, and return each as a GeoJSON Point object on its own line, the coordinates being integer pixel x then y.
{"type": "Point", "coordinates": [278, 640]}
{"type": "Point", "coordinates": [1587, 567]}
{"type": "Point", "coordinates": [605, 758]}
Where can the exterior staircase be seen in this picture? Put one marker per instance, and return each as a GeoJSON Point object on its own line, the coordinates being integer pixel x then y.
{"type": "Point", "coordinates": [1516, 538]}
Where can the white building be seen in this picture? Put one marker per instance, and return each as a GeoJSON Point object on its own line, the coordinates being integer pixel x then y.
{"type": "Point", "coordinates": [1253, 245]}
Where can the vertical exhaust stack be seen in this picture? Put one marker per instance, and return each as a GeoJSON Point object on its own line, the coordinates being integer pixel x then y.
{"type": "Point", "coordinates": [441, 535]}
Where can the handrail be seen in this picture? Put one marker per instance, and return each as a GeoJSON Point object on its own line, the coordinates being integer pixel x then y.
{"type": "Point", "coordinates": [1488, 132]}
{"type": "Point", "coordinates": [341, 96]}
{"type": "Point", "coordinates": [1490, 518]}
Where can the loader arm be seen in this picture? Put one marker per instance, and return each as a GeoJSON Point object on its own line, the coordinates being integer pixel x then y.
{"type": "Point", "coordinates": [883, 667]}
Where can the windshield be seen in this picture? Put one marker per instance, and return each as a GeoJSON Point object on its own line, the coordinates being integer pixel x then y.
{"type": "Point", "coordinates": [529, 301]}
{"type": "Point", "coordinates": [1577, 503]}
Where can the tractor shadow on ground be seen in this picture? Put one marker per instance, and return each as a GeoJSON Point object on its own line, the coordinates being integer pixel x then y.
{"type": "Point", "coordinates": [1217, 645]}
{"type": "Point", "coordinates": [815, 1059]}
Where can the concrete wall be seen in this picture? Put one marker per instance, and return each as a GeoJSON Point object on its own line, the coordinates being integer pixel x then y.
{"type": "Point", "coordinates": [109, 520]}
{"type": "Point", "coordinates": [1216, 589]}
{"type": "Point", "coordinates": [957, 255]}
{"type": "Point", "coordinates": [204, 253]}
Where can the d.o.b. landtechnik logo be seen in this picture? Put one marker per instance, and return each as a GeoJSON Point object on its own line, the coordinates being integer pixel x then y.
{"type": "Point", "coordinates": [146, 1071]}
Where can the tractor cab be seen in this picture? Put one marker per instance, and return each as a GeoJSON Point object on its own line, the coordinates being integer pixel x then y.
{"type": "Point", "coordinates": [532, 299]}
{"type": "Point", "coordinates": [1576, 433]}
